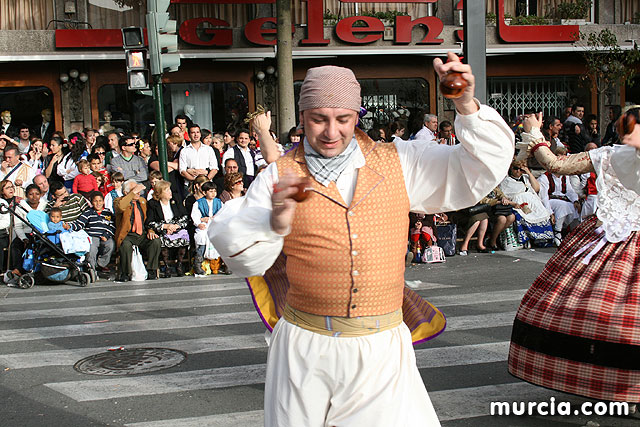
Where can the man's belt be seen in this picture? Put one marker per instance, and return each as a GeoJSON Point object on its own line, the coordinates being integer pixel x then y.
{"type": "Point", "coordinates": [563, 198]}
{"type": "Point", "coordinates": [342, 326]}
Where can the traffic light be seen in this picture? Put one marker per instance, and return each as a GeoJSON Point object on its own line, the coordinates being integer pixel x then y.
{"type": "Point", "coordinates": [163, 39]}
{"type": "Point", "coordinates": [136, 57]}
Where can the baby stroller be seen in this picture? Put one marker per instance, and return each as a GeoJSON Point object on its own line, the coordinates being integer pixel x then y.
{"type": "Point", "coordinates": [44, 259]}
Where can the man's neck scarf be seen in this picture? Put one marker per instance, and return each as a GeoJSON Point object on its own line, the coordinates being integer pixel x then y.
{"type": "Point", "coordinates": [327, 169]}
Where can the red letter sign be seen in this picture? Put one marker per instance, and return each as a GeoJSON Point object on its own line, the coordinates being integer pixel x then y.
{"type": "Point", "coordinates": [346, 31]}
{"type": "Point", "coordinates": [404, 27]}
{"type": "Point", "coordinates": [189, 32]}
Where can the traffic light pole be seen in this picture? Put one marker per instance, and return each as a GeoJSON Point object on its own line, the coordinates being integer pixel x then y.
{"type": "Point", "coordinates": [158, 102]}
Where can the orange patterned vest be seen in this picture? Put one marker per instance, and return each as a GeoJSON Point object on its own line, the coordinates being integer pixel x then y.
{"type": "Point", "coordinates": [349, 260]}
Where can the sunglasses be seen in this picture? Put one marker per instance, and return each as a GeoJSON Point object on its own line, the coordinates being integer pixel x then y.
{"type": "Point", "coordinates": [100, 153]}
{"type": "Point", "coordinates": [517, 169]}
{"type": "Point", "coordinates": [131, 144]}
{"type": "Point", "coordinates": [237, 182]}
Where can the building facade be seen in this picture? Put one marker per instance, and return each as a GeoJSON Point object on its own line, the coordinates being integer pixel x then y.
{"type": "Point", "coordinates": [66, 55]}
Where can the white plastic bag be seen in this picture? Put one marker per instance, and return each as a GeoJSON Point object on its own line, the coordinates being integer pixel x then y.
{"type": "Point", "coordinates": [210, 251]}
{"type": "Point", "coordinates": [138, 271]}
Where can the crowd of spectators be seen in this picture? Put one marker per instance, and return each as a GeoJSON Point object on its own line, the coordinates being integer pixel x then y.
{"type": "Point", "coordinates": [109, 183]}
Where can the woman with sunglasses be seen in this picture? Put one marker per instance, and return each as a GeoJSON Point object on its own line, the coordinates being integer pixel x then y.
{"type": "Point", "coordinates": [533, 219]}
{"type": "Point", "coordinates": [577, 329]}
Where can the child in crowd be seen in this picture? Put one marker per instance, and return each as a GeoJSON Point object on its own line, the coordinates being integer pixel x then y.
{"type": "Point", "coordinates": [117, 179]}
{"type": "Point", "coordinates": [154, 176]}
{"type": "Point", "coordinates": [421, 234]}
{"type": "Point", "coordinates": [99, 223]}
{"type": "Point", "coordinates": [203, 210]}
{"type": "Point", "coordinates": [85, 183]}
{"type": "Point", "coordinates": [56, 226]}
{"type": "Point", "coordinates": [98, 168]}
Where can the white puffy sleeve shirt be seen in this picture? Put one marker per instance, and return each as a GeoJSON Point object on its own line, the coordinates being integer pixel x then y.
{"type": "Point", "coordinates": [437, 178]}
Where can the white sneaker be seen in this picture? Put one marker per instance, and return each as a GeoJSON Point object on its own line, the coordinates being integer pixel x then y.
{"type": "Point", "coordinates": [463, 253]}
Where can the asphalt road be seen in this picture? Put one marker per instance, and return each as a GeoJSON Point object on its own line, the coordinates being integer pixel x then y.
{"type": "Point", "coordinates": [45, 330]}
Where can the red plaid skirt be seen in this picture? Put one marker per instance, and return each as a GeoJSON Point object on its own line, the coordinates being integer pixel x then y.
{"type": "Point", "coordinates": [578, 327]}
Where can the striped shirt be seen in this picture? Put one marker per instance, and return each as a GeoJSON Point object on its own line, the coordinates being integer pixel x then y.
{"type": "Point", "coordinates": [72, 208]}
{"type": "Point", "coordinates": [95, 224]}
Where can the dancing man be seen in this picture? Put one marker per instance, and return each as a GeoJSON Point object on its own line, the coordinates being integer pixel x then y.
{"type": "Point", "coordinates": [341, 355]}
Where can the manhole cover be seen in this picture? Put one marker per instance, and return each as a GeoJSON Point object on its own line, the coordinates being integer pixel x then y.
{"type": "Point", "coordinates": [130, 362]}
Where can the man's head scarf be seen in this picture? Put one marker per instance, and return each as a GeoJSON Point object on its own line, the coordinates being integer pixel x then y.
{"type": "Point", "coordinates": [330, 87]}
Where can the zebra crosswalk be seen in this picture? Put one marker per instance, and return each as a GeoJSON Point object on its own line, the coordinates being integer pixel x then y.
{"type": "Point", "coordinates": [46, 330]}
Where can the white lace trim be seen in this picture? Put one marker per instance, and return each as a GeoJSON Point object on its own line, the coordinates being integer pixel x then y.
{"type": "Point", "coordinates": [618, 207]}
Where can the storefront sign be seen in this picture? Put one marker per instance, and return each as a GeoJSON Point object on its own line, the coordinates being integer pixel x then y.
{"type": "Point", "coordinates": [215, 32]}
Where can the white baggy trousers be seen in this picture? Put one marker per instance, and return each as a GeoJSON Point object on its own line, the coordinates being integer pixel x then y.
{"type": "Point", "coordinates": [315, 380]}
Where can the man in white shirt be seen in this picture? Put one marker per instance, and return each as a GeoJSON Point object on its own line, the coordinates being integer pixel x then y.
{"type": "Point", "coordinates": [350, 185]}
{"type": "Point", "coordinates": [243, 155]}
{"type": "Point", "coordinates": [429, 129]}
{"type": "Point", "coordinates": [197, 158]}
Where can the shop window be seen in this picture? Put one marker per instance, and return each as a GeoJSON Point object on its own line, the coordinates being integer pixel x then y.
{"type": "Point", "coordinates": [512, 96]}
{"type": "Point", "coordinates": [388, 100]}
{"type": "Point", "coordinates": [26, 105]}
{"type": "Point", "coordinates": [216, 106]}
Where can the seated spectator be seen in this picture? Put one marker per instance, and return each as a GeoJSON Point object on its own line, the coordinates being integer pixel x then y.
{"type": "Point", "coordinates": [558, 196]}
{"type": "Point", "coordinates": [97, 167]}
{"type": "Point", "coordinates": [71, 205]}
{"type": "Point", "coordinates": [131, 166]}
{"type": "Point", "coordinates": [15, 170]}
{"type": "Point", "coordinates": [43, 184]}
{"type": "Point", "coordinates": [174, 146]}
{"type": "Point", "coordinates": [117, 179]}
{"type": "Point", "coordinates": [31, 202]}
{"type": "Point", "coordinates": [169, 220]}
{"type": "Point", "coordinates": [5, 229]}
{"type": "Point", "coordinates": [421, 234]}
{"type": "Point", "coordinates": [473, 223]}
{"type": "Point", "coordinates": [233, 187]}
{"type": "Point", "coordinates": [8, 197]}
{"type": "Point", "coordinates": [99, 224]}
{"type": "Point", "coordinates": [85, 183]}
{"type": "Point", "coordinates": [501, 214]}
{"type": "Point", "coordinates": [202, 214]}
{"type": "Point", "coordinates": [56, 225]}
{"type": "Point", "coordinates": [533, 220]}
{"type": "Point", "coordinates": [154, 177]}
{"type": "Point", "coordinates": [131, 215]}
{"type": "Point", "coordinates": [113, 139]}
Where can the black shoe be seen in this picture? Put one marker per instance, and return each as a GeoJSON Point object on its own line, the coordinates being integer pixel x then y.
{"type": "Point", "coordinates": [123, 278]}
{"type": "Point", "coordinates": [152, 275]}
{"type": "Point", "coordinates": [165, 273]}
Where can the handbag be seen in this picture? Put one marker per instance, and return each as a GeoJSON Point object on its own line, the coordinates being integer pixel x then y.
{"type": "Point", "coordinates": [138, 270]}
{"type": "Point", "coordinates": [447, 234]}
{"type": "Point", "coordinates": [479, 208]}
{"type": "Point", "coordinates": [433, 254]}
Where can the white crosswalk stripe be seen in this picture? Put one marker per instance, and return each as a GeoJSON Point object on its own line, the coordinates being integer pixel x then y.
{"type": "Point", "coordinates": [182, 316]}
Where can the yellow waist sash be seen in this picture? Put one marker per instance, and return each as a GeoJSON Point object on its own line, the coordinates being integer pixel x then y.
{"type": "Point", "coordinates": [342, 326]}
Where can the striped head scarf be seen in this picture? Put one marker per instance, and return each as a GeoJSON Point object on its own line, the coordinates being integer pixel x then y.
{"type": "Point", "coordinates": [329, 87]}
